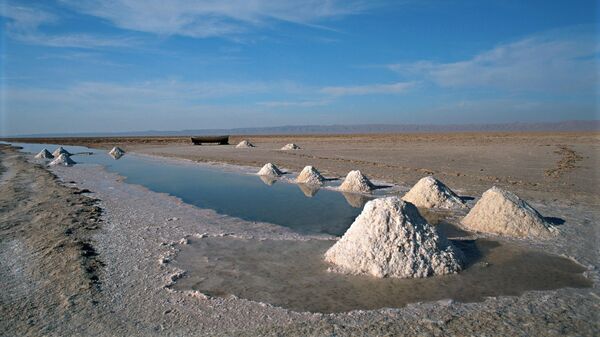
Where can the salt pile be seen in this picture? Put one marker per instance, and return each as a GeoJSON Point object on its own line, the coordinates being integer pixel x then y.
{"type": "Point", "coordinates": [290, 146]}
{"type": "Point", "coordinates": [310, 176]}
{"type": "Point", "coordinates": [357, 182]}
{"type": "Point", "coordinates": [391, 239]}
{"type": "Point", "coordinates": [44, 154]}
{"type": "Point", "coordinates": [503, 212]}
{"type": "Point", "coordinates": [63, 159]}
{"type": "Point", "coordinates": [244, 144]}
{"type": "Point", "coordinates": [116, 152]}
{"type": "Point", "coordinates": [60, 151]}
{"type": "Point", "coordinates": [432, 193]}
{"type": "Point", "coordinates": [269, 170]}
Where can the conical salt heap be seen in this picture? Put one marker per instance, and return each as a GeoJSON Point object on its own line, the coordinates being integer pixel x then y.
{"type": "Point", "coordinates": [432, 193]}
{"type": "Point", "coordinates": [63, 159]}
{"type": "Point", "coordinates": [60, 151]}
{"type": "Point", "coordinates": [44, 154]}
{"type": "Point", "coordinates": [290, 146]}
{"type": "Point", "coordinates": [269, 170]}
{"type": "Point", "coordinates": [391, 239]}
{"type": "Point", "coordinates": [310, 176]}
{"type": "Point", "coordinates": [356, 182]}
{"type": "Point", "coordinates": [116, 152]}
{"type": "Point", "coordinates": [503, 212]}
{"type": "Point", "coordinates": [244, 144]}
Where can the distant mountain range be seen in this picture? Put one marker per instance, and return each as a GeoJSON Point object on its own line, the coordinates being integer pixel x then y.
{"type": "Point", "coordinates": [575, 125]}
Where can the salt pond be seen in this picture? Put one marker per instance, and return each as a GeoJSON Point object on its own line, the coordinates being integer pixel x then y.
{"type": "Point", "coordinates": [228, 192]}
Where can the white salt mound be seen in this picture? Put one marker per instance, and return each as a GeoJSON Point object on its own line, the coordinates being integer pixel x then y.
{"type": "Point", "coordinates": [44, 154]}
{"type": "Point", "coordinates": [290, 146]}
{"type": "Point", "coordinates": [269, 170]}
{"type": "Point", "coordinates": [503, 212]}
{"type": "Point", "coordinates": [357, 182]}
{"type": "Point", "coordinates": [116, 152]}
{"type": "Point", "coordinates": [310, 176]}
{"type": "Point", "coordinates": [391, 239]}
{"type": "Point", "coordinates": [60, 151]}
{"type": "Point", "coordinates": [432, 193]}
{"type": "Point", "coordinates": [63, 159]}
{"type": "Point", "coordinates": [244, 144]}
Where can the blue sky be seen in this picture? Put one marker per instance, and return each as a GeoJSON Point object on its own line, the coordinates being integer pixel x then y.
{"type": "Point", "coordinates": [124, 65]}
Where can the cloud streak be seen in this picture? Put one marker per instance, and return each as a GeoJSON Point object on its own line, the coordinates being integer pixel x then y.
{"type": "Point", "coordinates": [555, 62]}
{"type": "Point", "coordinates": [395, 88]}
{"type": "Point", "coordinates": [213, 18]}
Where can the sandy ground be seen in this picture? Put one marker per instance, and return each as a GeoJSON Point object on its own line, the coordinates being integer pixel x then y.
{"type": "Point", "coordinates": [108, 277]}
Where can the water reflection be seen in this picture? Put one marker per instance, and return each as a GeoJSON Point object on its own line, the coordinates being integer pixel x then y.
{"type": "Point", "coordinates": [356, 200]}
{"type": "Point", "coordinates": [268, 180]}
{"type": "Point", "coordinates": [309, 190]}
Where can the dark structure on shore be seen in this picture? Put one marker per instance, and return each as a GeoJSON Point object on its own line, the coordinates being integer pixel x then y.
{"type": "Point", "coordinates": [221, 140]}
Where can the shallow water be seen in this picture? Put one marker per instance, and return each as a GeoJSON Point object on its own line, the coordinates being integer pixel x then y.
{"type": "Point", "coordinates": [304, 209]}
{"type": "Point", "coordinates": [293, 275]}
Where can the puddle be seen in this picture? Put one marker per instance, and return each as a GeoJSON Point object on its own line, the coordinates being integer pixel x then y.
{"type": "Point", "coordinates": [292, 274]}
{"type": "Point", "coordinates": [303, 209]}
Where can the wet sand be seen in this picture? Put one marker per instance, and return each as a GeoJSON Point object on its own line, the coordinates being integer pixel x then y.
{"type": "Point", "coordinates": [137, 237]}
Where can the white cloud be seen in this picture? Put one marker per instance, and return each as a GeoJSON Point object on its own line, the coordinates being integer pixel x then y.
{"type": "Point", "coordinates": [555, 61]}
{"type": "Point", "coordinates": [395, 88]}
{"type": "Point", "coordinates": [24, 25]}
{"type": "Point", "coordinates": [286, 104]}
{"type": "Point", "coordinates": [210, 18]}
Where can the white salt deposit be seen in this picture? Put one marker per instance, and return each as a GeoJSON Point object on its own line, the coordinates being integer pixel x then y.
{"type": "Point", "coordinates": [432, 193]}
{"type": "Point", "coordinates": [44, 154]}
{"type": "Point", "coordinates": [290, 146]}
{"type": "Point", "coordinates": [310, 176]}
{"type": "Point", "coordinates": [391, 239]}
{"type": "Point", "coordinates": [269, 170]}
{"type": "Point", "coordinates": [244, 144]}
{"type": "Point", "coordinates": [503, 212]}
{"type": "Point", "coordinates": [60, 151]}
{"type": "Point", "coordinates": [63, 159]}
{"type": "Point", "coordinates": [116, 152]}
{"type": "Point", "coordinates": [357, 182]}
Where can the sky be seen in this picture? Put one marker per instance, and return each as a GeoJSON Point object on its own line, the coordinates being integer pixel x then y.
{"type": "Point", "coordinates": [135, 65]}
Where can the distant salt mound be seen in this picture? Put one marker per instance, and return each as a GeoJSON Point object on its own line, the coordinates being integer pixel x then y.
{"type": "Point", "coordinates": [44, 154]}
{"type": "Point", "coordinates": [391, 239]}
{"type": "Point", "coordinates": [63, 159]}
{"type": "Point", "coordinates": [116, 152]}
{"type": "Point", "coordinates": [503, 212]}
{"type": "Point", "coordinates": [244, 144]}
{"type": "Point", "coordinates": [357, 182]}
{"type": "Point", "coordinates": [269, 170]}
{"type": "Point", "coordinates": [432, 193]}
{"type": "Point", "coordinates": [60, 151]}
{"type": "Point", "coordinates": [290, 146]}
{"type": "Point", "coordinates": [310, 176]}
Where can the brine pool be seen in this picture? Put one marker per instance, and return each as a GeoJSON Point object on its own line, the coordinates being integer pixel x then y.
{"type": "Point", "coordinates": [304, 209]}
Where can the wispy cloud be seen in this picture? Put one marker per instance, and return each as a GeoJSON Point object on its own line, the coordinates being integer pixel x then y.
{"type": "Point", "coordinates": [212, 18]}
{"type": "Point", "coordinates": [24, 25]}
{"type": "Point", "coordinates": [302, 103]}
{"type": "Point", "coordinates": [563, 61]}
{"type": "Point", "coordinates": [395, 88]}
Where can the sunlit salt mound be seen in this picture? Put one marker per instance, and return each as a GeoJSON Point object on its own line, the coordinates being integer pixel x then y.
{"type": "Point", "coordinates": [269, 170]}
{"type": "Point", "coordinates": [63, 159]}
{"type": "Point", "coordinates": [44, 154]}
{"type": "Point", "coordinates": [357, 182]}
{"type": "Point", "coordinates": [116, 152]}
{"type": "Point", "coordinates": [432, 193]}
{"type": "Point", "coordinates": [60, 151]}
{"type": "Point", "coordinates": [290, 146]}
{"type": "Point", "coordinates": [503, 212]}
{"type": "Point", "coordinates": [310, 176]}
{"type": "Point", "coordinates": [391, 239]}
{"type": "Point", "coordinates": [244, 144]}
